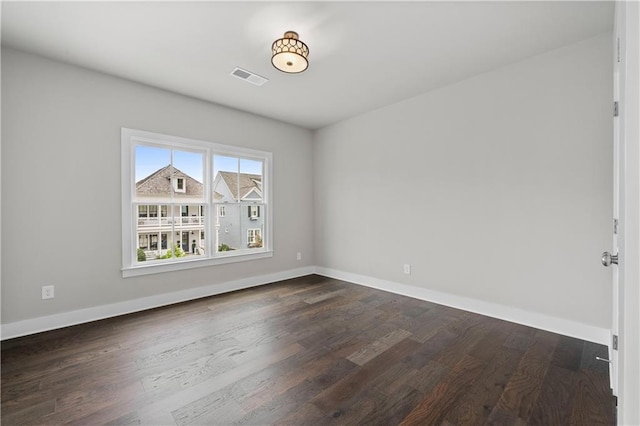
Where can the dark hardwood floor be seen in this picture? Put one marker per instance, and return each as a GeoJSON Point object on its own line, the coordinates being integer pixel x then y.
{"type": "Point", "coordinates": [308, 351]}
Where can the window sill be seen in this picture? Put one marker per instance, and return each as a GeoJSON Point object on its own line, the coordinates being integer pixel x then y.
{"type": "Point", "coordinates": [135, 271]}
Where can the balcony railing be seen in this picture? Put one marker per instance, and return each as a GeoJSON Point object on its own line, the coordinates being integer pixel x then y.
{"type": "Point", "coordinates": [176, 222]}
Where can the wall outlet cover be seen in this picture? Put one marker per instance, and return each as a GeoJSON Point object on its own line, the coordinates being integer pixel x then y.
{"type": "Point", "coordinates": [48, 292]}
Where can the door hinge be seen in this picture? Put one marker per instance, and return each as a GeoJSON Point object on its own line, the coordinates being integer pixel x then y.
{"type": "Point", "coordinates": [614, 343]}
{"type": "Point", "coordinates": [618, 48]}
{"type": "Point", "coordinates": [615, 226]}
{"type": "Point", "coordinates": [615, 109]}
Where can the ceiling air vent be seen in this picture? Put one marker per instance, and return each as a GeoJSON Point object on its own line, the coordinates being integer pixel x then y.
{"type": "Point", "coordinates": [249, 76]}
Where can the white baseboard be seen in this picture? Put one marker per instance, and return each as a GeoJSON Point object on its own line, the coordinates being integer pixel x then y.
{"type": "Point", "coordinates": [507, 313]}
{"type": "Point", "coordinates": [65, 319]}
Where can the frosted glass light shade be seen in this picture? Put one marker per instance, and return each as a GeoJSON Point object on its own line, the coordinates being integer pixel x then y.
{"type": "Point", "coordinates": [288, 54]}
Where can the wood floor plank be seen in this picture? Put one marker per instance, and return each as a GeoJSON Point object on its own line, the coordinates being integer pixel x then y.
{"type": "Point", "coordinates": [553, 406]}
{"type": "Point", "coordinates": [161, 407]}
{"type": "Point", "coordinates": [523, 387]}
{"type": "Point", "coordinates": [310, 350]}
{"type": "Point", "coordinates": [271, 382]}
{"type": "Point", "coordinates": [391, 411]}
{"type": "Point", "coordinates": [366, 354]}
{"type": "Point", "coordinates": [433, 408]}
{"type": "Point", "coordinates": [210, 409]}
{"type": "Point", "coordinates": [190, 374]}
{"type": "Point", "coordinates": [128, 419]}
{"type": "Point", "coordinates": [568, 353]}
{"type": "Point", "coordinates": [85, 401]}
{"type": "Point", "coordinates": [30, 414]}
{"type": "Point", "coordinates": [589, 404]}
{"type": "Point", "coordinates": [427, 377]}
{"type": "Point", "coordinates": [345, 389]}
{"type": "Point", "coordinates": [476, 405]}
{"type": "Point", "coordinates": [306, 414]}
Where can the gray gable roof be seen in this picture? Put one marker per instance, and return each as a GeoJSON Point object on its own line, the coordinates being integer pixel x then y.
{"type": "Point", "coordinates": [248, 182]}
{"type": "Point", "coordinates": [158, 183]}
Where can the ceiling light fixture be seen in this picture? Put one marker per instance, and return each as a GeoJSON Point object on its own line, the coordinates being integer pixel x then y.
{"type": "Point", "coordinates": [290, 54]}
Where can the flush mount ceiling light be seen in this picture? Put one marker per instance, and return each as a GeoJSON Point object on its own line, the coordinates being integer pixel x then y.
{"type": "Point", "coordinates": [290, 54]}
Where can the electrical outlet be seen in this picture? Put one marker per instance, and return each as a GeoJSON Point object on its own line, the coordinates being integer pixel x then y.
{"type": "Point", "coordinates": [47, 292]}
{"type": "Point", "coordinates": [407, 269]}
{"type": "Point", "coordinates": [299, 256]}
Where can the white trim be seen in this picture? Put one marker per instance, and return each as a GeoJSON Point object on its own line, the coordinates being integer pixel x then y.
{"type": "Point", "coordinates": [519, 316]}
{"type": "Point", "coordinates": [65, 319]}
{"type": "Point", "coordinates": [507, 313]}
{"type": "Point", "coordinates": [178, 265]}
{"type": "Point", "coordinates": [629, 268]}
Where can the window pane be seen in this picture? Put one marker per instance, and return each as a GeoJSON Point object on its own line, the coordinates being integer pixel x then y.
{"type": "Point", "coordinates": [225, 179]}
{"type": "Point", "coordinates": [152, 247]}
{"type": "Point", "coordinates": [223, 163]}
{"type": "Point", "coordinates": [176, 234]}
{"type": "Point", "coordinates": [152, 169]}
{"type": "Point", "coordinates": [228, 229]}
{"type": "Point", "coordinates": [251, 180]}
{"type": "Point", "coordinates": [189, 229]}
{"type": "Point", "coordinates": [198, 242]}
{"type": "Point", "coordinates": [147, 216]}
{"type": "Point", "coordinates": [188, 175]}
{"type": "Point", "coordinates": [252, 221]}
{"type": "Point", "coordinates": [168, 249]}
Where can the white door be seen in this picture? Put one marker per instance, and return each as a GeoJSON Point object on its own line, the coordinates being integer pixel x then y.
{"type": "Point", "coordinates": [617, 249]}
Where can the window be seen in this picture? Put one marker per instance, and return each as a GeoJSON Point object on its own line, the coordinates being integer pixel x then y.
{"type": "Point", "coordinates": [176, 190]}
{"type": "Point", "coordinates": [254, 212]}
{"type": "Point", "coordinates": [253, 238]}
{"type": "Point", "coordinates": [154, 241]}
{"type": "Point", "coordinates": [238, 193]}
{"type": "Point", "coordinates": [148, 241]}
{"type": "Point", "coordinates": [143, 211]}
{"type": "Point", "coordinates": [179, 185]}
{"type": "Point", "coordinates": [143, 241]}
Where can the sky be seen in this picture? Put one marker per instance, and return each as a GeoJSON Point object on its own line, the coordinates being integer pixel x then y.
{"type": "Point", "coordinates": [149, 159]}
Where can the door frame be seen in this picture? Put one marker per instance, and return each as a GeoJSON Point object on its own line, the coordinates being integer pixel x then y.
{"type": "Point", "coordinates": [619, 219]}
{"type": "Point", "coordinates": [627, 18]}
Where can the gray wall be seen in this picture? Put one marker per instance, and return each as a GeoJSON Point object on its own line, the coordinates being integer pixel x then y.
{"type": "Point", "coordinates": [497, 188]}
{"type": "Point", "coordinates": [61, 214]}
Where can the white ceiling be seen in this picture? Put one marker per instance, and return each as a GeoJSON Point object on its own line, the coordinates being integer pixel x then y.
{"type": "Point", "coordinates": [363, 55]}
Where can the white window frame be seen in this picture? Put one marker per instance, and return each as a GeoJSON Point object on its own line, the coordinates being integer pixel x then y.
{"type": "Point", "coordinates": [130, 266]}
